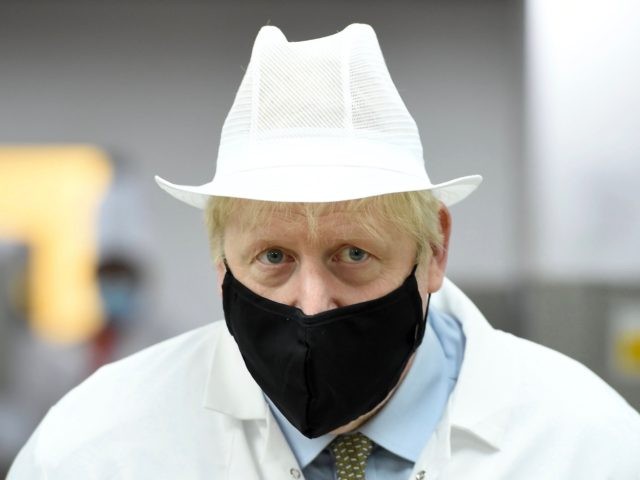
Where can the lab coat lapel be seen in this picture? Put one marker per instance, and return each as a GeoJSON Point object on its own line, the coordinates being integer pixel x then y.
{"type": "Point", "coordinates": [257, 447]}
{"type": "Point", "coordinates": [230, 388]}
{"type": "Point", "coordinates": [475, 408]}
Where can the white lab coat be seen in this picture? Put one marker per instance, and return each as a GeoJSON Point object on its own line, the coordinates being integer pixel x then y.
{"type": "Point", "coordinates": [188, 409]}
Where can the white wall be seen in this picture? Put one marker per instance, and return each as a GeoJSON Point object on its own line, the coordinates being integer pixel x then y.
{"type": "Point", "coordinates": [583, 83]}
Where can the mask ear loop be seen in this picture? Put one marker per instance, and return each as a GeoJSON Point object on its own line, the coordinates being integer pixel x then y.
{"type": "Point", "coordinates": [420, 328]}
{"type": "Point", "coordinates": [226, 295]}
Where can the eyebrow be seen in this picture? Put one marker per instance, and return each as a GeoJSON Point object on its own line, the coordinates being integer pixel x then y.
{"type": "Point", "coordinates": [369, 243]}
{"type": "Point", "coordinates": [259, 237]}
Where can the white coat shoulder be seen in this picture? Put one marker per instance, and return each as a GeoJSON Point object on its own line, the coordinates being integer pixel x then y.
{"type": "Point", "coordinates": [564, 415]}
{"type": "Point", "coordinates": [521, 410]}
{"type": "Point", "coordinates": [548, 378]}
{"type": "Point", "coordinates": [137, 411]}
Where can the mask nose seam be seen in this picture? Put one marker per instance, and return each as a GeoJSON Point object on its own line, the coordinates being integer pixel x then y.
{"type": "Point", "coordinates": [307, 376]}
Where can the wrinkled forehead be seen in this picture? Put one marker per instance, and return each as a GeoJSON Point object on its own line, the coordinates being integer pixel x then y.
{"type": "Point", "coordinates": [350, 219]}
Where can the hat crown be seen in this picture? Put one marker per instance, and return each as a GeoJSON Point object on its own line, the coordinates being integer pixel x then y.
{"type": "Point", "coordinates": [318, 121]}
{"type": "Point", "coordinates": [328, 87]}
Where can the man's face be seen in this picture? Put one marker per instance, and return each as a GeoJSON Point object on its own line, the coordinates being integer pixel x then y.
{"type": "Point", "coordinates": [340, 265]}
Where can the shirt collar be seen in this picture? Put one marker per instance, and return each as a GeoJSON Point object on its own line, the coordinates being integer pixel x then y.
{"type": "Point", "coordinates": [406, 422]}
{"type": "Point", "coordinates": [304, 449]}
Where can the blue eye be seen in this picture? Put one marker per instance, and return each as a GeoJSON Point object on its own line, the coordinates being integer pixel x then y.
{"type": "Point", "coordinates": [354, 255]}
{"type": "Point", "coordinates": [272, 256]}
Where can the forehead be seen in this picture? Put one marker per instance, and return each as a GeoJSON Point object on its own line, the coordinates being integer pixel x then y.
{"type": "Point", "coordinates": [315, 221]}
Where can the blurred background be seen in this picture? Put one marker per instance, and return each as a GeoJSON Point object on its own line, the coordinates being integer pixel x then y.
{"type": "Point", "coordinates": [542, 98]}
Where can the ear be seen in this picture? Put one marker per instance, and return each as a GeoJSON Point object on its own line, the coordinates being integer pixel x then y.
{"type": "Point", "coordinates": [437, 264]}
{"type": "Point", "coordinates": [220, 272]}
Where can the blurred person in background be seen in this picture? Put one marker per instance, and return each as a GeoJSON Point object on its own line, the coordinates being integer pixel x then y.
{"type": "Point", "coordinates": [119, 278]}
{"type": "Point", "coordinates": [345, 352]}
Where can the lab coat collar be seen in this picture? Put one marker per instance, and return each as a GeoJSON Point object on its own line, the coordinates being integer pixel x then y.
{"type": "Point", "coordinates": [475, 409]}
{"type": "Point", "coordinates": [230, 388]}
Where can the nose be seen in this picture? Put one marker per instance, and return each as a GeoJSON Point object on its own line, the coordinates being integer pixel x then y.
{"type": "Point", "coordinates": [316, 289]}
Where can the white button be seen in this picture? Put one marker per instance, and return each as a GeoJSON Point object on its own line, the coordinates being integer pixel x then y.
{"type": "Point", "coordinates": [420, 475]}
{"type": "Point", "coordinates": [295, 473]}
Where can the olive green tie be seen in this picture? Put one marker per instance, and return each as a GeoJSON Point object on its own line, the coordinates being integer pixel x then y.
{"type": "Point", "coordinates": [351, 453]}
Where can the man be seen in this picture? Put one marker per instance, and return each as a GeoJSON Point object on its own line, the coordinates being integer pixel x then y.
{"type": "Point", "coordinates": [345, 353]}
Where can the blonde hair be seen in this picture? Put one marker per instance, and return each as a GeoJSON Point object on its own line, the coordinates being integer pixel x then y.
{"type": "Point", "coordinates": [414, 213]}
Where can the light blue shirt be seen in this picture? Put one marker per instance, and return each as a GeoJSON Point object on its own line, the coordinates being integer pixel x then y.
{"type": "Point", "coordinates": [402, 428]}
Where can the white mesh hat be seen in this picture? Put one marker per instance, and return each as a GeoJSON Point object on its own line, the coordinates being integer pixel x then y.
{"type": "Point", "coordinates": [318, 121]}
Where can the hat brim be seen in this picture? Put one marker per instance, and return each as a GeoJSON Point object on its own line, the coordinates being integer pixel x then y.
{"type": "Point", "coordinates": [308, 184]}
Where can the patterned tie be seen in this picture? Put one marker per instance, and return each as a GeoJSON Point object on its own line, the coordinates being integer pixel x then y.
{"type": "Point", "coordinates": [351, 453]}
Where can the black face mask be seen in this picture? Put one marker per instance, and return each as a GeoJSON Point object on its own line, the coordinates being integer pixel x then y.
{"type": "Point", "coordinates": [323, 371]}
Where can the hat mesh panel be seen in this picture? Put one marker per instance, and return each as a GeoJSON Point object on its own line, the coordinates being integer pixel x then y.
{"type": "Point", "coordinates": [326, 87]}
{"type": "Point", "coordinates": [300, 88]}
